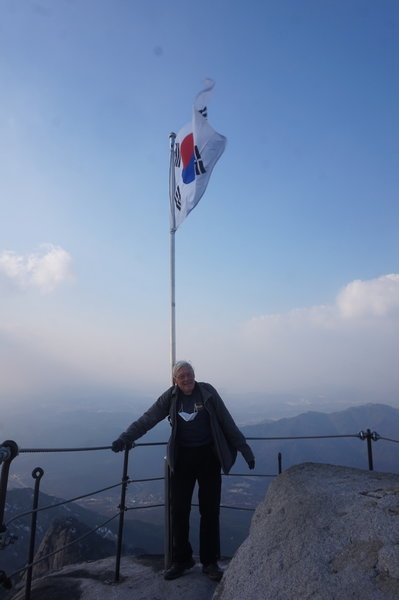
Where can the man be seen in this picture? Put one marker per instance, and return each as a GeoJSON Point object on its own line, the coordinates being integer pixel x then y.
{"type": "Point", "coordinates": [204, 438]}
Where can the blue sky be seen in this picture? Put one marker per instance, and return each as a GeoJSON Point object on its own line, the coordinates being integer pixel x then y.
{"type": "Point", "coordinates": [287, 272]}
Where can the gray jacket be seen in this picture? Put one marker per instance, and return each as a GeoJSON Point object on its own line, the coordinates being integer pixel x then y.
{"type": "Point", "coordinates": [227, 437]}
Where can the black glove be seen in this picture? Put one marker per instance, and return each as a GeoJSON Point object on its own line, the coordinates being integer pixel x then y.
{"type": "Point", "coordinates": [251, 464]}
{"type": "Point", "coordinates": [119, 445]}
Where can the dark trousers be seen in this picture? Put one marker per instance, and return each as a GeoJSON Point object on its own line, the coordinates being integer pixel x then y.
{"type": "Point", "coordinates": [196, 464]}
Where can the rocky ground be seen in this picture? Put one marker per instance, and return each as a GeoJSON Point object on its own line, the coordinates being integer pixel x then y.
{"type": "Point", "coordinates": [141, 578]}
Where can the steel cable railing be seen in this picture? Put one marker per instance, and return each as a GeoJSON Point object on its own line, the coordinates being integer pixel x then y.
{"type": "Point", "coordinates": [47, 450]}
{"type": "Point", "coordinates": [89, 495]}
{"type": "Point", "coordinates": [305, 437]}
{"type": "Point", "coordinates": [9, 450]}
{"type": "Point", "coordinates": [57, 504]}
{"type": "Point", "coordinates": [144, 506]}
{"type": "Point", "coordinates": [37, 474]}
{"type": "Point", "coordinates": [83, 449]}
{"type": "Point", "coordinates": [7, 455]}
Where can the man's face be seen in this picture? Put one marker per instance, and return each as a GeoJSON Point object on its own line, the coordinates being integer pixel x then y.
{"type": "Point", "coordinates": [185, 380]}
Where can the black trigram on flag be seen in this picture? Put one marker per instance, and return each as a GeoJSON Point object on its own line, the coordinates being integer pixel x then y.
{"type": "Point", "coordinates": [177, 155]}
{"type": "Point", "coordinates": [178, 198]}
{"type": "Point", "coordinates": [204, 112]}
{"type": "Point", "coordinates": [199, 165]}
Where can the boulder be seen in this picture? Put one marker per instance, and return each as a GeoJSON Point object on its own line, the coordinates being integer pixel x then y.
{"type": "Point", "coordinates": [323, 532]}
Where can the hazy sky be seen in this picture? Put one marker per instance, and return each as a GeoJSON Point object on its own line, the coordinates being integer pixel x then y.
{"type": "Point", "coordinates": [287, 272]}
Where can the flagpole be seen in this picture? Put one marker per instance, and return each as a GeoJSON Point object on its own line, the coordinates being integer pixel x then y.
{"type": "Point", "coordinates": [172, 137]}
{"type": "Point", "coordinates": [168, 545]}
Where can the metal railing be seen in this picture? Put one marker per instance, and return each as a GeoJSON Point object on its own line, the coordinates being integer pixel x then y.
{"type": "Point", "coordinates": [9, 450]}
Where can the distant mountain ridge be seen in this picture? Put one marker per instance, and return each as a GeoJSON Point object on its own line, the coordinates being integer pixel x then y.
{"type": "Point", "coordinates": [348, 419]}
{"type": "Point", "coordinates": [348, 451]}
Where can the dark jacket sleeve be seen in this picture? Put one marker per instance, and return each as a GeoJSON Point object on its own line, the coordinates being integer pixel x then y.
{"type": "Point", "coordinates": [156, 413]}
{"type": "Point", "coordinates": [234, 436]}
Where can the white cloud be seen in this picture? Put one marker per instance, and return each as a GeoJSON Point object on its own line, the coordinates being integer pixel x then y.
{"type": "Point", "coordinates": [376, 297]}
{"type": "Point", "coordinates": [43, 270]}
{"type": "Point", "coordinates": [352, 343]}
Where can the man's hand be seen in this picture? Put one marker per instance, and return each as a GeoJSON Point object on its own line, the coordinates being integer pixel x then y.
{"type": "Point", "coordinates": [251, 464]}
{"type": "Point", "coordinates": [119, 445]}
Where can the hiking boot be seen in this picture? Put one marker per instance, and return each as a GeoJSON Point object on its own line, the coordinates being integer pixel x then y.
{"type": "Point", "coordinates": [177, 569]}
{"type": "Point", "coordinates": [213, 571]}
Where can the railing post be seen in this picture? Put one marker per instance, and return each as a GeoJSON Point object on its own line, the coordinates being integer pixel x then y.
{"type": "Point", "coordinates": [369, 450]}
{"type": "Point", "coordinates": [279, 458]}
{"type": "Point", "coordinates": [37, 474]}
{"type": "Point", "coordinates": [168, 520]}
{"type": "Point", "coordinates": [122, 509]}
{"type": "Point", "coordinates": [369, 436]}
{"type": "Point", "coordinates": [8, 451]}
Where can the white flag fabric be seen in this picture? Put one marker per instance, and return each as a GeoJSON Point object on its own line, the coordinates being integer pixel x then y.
{"type": "Point", "coordinates": [196, 151]}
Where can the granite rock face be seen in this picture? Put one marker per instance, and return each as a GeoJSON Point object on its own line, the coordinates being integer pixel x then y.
{"type": "Point", "coordinates": [58, 545]}
{"type": "Point", "coordinates": [323, 532]}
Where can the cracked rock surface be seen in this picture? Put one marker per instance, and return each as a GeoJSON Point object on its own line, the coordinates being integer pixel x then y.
{"type": "Point", "coordinates": [323, 532]}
